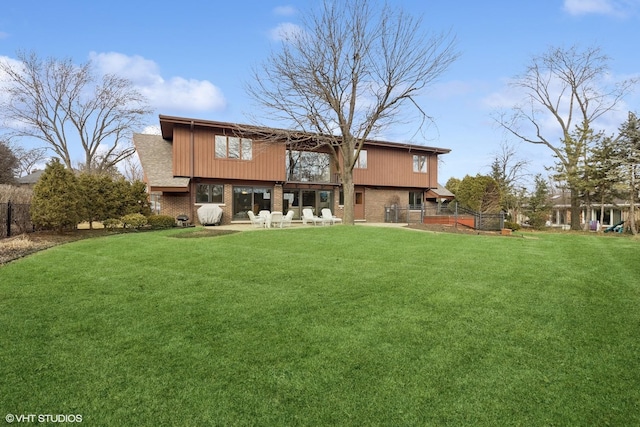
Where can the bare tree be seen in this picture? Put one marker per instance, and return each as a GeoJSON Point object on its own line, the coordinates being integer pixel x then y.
{"type": "Point", "coordinates": [29, 159]}
{"type": "Point", "coordinates": [569, 87]}
{"type": "Point", "coordinates": [131, 169]}
{"type": "Point", "coordinates": [353, 69]}
{"type": "Point", "coordinates": [509, 171]}
{"type": "Point", "coordinates": [65, 105]}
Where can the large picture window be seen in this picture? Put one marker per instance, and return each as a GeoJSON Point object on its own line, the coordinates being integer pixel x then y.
{"type": "Point", "coordinates": [308, 166]}
{"type": "Point", "coordinates": [420, 164]}
{"type": "Point", "coordinates": [233, 147]}
{"type": "Point", "coordinates": [209, 193]}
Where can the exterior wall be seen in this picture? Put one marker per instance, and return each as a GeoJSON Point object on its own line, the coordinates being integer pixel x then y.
{"type": "Point", "coordinates": [174, 204]}
{"type": "Point", "coordinates": [377, 199]}
{"type": "Point", "coordinates": [393, 167]}
{"type": "Point", "coordinates": [267, 162]}
{"type": "Point", "coordinates": [388, 177]}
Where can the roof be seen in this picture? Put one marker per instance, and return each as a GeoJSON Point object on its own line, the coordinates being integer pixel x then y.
{"type": "Point", "coordinates": [156, 157]}
{"type": "Point", "coordinates": [167, 124]}
{"type": "Point", "coordinates": [440, 192]}
{"type": "Point", "coordinates": [30, 179]}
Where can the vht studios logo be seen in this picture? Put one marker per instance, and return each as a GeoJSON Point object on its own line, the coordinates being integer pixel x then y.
{"type": "Point", "coordinates": [43, 418]}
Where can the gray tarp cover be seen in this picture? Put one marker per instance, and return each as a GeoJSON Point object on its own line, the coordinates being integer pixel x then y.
{"type": "Point", "coordinates": [209, 214]}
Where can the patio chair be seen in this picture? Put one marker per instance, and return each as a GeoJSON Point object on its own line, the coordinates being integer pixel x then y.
{"type": "Point", "coordinates": [308, 217]}
{"type": "Point", "coordinates": [276, 219]}
{"type": "Point", "coordinates": [257, 221]}
{"type": "Point", "coordinates": [286, 221]}
{"type": "Point", "coordinates": [329, 218]}
{"type": "Point", "coordinates": [264, 213]}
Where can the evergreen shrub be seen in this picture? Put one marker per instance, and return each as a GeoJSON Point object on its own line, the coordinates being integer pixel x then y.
{"type": "Point", "coordinates": [161, 221]}
{"type": "Point", "coordinates": [134, 220]}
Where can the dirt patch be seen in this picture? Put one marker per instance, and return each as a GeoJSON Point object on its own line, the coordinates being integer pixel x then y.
{"type": "Point", "coordinates": [13, 248]}
{"type": "Point", "coordinates": [17, 247]}
{"type": "Point", "coordinates": [460, 229]}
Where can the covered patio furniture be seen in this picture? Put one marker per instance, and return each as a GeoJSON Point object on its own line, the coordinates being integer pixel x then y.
{"type": "Point", "coordinates": [257, 221]}
{"type": "Point", "coordinates": [308, 217]}
{"type": "Point", "coordinates": [209, 214]}
{"type": "Point", "coordinates": [329, 218]}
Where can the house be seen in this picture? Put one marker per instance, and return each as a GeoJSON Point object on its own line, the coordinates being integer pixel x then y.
{"type": "Point", "coordinates": [31, 179]}
{"type": "Point", "coordinates": [196, 162]}
{"type": "Point", "coordinates": [602, 216]}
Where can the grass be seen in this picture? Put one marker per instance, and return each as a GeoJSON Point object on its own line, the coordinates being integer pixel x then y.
{"type": "Point", "coordinates": [325, 326]}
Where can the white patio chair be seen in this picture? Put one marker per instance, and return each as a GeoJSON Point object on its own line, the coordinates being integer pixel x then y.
{"type": "Point", "coordinates": [264, 214]}
{"type": "Point", "coordinates": [308, 217]}
{"type": "Point", "coordinates": [256, 221]}
{"type": "Point", "coordinates": [286, 221]}
{"type": "Point", "coordinates": [329, 218]}
{"type": "Point", "coordinates": [276, 219]}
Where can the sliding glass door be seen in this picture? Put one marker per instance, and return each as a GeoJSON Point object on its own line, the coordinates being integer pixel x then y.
{"type": "Point", "coordinates": [298, 199]}
{"type": "Point", "coordinates": [250, 199]}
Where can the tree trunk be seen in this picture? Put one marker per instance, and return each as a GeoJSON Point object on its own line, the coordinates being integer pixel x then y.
{"type": "Point", "coordinates": [575, 210]}
{"type": "Point", "coordinates": [589, 213]}
{"type": "Point", "coordinates": [349, 199]}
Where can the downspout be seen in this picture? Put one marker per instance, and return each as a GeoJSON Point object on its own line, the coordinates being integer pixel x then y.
{"type": "Point", "coordinates": [192, 189]}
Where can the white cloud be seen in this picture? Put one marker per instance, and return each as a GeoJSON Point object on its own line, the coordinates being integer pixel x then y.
{"type": "Point", "coordinates": [152, 130]}
{"type": "Point", "coordinates": [176, 93]}
{"type": "Point", "coordinates": [580, 7]}
{"type": "Point", "coordinates": [618, 8]}
{"type": "Point", "coordinates": [284, 11]}
{"type": "Point", "coordinates": [284, 31]}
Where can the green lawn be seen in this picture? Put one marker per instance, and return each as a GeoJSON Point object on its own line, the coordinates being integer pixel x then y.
{"type": "Point", "coordinates": [358, 326]}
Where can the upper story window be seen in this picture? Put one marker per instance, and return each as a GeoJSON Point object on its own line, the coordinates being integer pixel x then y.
{"type": "Point", "coordinates": [233, 147]}
{"type": "Point", "coordinates": [308, 166]}
{"type": "Point", "coordinates": [361, 161]}
{"type": "Point", "coordinates": [420, 164]}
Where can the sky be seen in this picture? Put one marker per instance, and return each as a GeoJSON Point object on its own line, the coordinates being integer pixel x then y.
{"type": "Point", "coordinates": [193, 58]}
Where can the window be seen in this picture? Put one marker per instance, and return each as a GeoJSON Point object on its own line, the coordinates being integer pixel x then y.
{"type": "Point", "coordinates": [361, 161]}
{"type": "Point", "coordinates": [308, 166]}
{"type": "Point", "coordinates": [209, 193]}
{"type": "Point", "coordinates": [415, 199]}
{"type": "Point", "coordinates": [232, 147]}
{"type": "Point", "coordinates": [420, 164]}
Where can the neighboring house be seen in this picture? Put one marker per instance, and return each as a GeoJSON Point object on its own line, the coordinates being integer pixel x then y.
{"type": "Point", "coordinates": [31, 179]}
{"type": "Point", "coordinates": [611, 215]}
{"type": "Point", "coordinates": [195, 162]}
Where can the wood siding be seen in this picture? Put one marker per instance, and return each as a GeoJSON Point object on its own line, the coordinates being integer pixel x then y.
{"type": "Point", "coordinates": [267, 163]}
{"type": "Point", "coordinates": [389, 167]}
{"type": "Point", "coordinates": [386, 166]}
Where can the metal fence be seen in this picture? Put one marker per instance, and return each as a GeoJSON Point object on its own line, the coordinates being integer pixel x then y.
{"type": "Point", "coordinates": [450, 214]}
{"type": "Point", "coordinates": [15, 218]}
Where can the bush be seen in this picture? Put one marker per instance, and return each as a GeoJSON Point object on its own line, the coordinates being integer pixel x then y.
{"type": "Point", "coordinates": [512, 225]}
{"type": "Point", "coordinates": [161, 221]}
{"type": "Point", "coordinates": [112, 223]}
{"type": "Point", "coordinates": [134, 220]}
{"type": "Point", "coordinates": [15, 194]}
